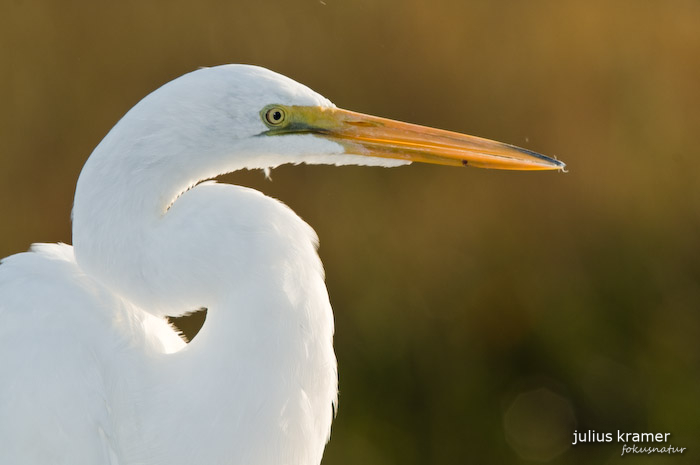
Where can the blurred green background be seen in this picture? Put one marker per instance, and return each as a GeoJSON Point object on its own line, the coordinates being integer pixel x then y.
{"type": "Point", "coordinates": [481, 316]}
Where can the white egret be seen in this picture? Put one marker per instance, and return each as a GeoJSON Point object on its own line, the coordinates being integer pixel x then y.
{"type": "Point", "coordinates": [90, 372]}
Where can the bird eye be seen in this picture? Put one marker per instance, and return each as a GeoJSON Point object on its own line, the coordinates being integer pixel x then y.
{"type": "Point", "coordinates": [275, 116]}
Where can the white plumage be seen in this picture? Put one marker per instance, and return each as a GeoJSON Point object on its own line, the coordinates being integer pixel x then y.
{"type": "Point", "coordinates": [92, 374]}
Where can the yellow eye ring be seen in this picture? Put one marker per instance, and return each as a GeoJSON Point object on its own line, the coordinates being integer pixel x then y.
{"type": "Point", "coordinates": [275, 116]}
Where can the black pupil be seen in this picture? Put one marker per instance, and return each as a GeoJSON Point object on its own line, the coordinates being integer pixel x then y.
{"type": "Point", "coordinates": [276, 116]}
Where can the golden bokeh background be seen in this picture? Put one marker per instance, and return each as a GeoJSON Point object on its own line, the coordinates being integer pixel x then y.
{"type": "Point", "coordinates": [481, 316]}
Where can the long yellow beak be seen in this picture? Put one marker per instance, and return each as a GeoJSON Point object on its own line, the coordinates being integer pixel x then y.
{"type": "Point", "coordinates": [372, 136]}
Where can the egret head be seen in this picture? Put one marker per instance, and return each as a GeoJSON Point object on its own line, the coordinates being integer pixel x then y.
{"type": "Point", "coordinates": [239, 116]}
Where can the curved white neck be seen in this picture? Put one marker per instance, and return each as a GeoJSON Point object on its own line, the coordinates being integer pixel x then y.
{"type": "Point", "coordinates": [262, 367]}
